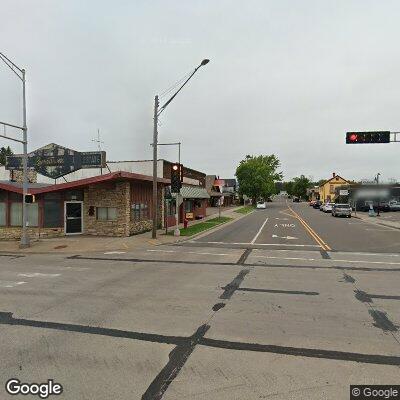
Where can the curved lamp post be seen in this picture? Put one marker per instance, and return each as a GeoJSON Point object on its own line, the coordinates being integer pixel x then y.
{"type": "Point", "coordinates": [157, 112]}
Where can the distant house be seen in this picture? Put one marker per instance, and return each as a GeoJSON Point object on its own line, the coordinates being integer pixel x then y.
{"type": "Point", "coordinates": [327, 189]}
{"type": "Point", "coordinates": [213, 190]}
{"type": "Point", "coordinates": [228, 188]}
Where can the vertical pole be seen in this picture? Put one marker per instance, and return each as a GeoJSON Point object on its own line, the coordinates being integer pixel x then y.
{"type": "Point", "coordinates": [177, 232]}
{"type": "Point", "coordinates": [24, 237]}
{"type": "Point", "coordinates": [155, 145]}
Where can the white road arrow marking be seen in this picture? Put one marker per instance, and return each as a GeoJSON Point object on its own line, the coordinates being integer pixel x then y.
{"type": "Point", "coordinates": [38, 274]}
{"type": "Point", "coordinates": [285, 237]}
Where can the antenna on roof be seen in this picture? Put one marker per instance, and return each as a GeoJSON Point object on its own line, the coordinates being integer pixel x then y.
{"type": "Point", "coordinates": [98, 141]}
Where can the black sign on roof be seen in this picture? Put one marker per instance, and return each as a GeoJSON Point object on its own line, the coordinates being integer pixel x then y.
{"type": "Point", "coordinates": [55, 161]}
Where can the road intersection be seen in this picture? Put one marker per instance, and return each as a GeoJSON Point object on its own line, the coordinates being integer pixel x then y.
{"type": "Point", "coordinates": [239, 313]}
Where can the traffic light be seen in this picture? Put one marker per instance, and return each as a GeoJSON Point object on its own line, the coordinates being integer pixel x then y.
{"type": "Point", "coordinates": [29, 198]}
{"type": "Point", "coordinates": [176, 177]}
{"type": "Point", "coordinates": [368, 137]}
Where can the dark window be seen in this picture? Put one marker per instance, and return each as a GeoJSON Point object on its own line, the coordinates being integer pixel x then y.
{"type": "Point", "coordinates": [3, 213]}
{"type": "Point", "coordinates": [139, 212]}
{"type": "Point", "coordinates": [188, 206]}
{"type": "Point", "coordinates": [52, 214]}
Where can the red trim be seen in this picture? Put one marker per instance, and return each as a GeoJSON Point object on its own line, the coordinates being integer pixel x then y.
{"type": "Point", "coordinates": [84, 182]}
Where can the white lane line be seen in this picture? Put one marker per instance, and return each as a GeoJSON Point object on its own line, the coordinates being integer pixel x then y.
{"type": "Point", "coordinates": [192, 252]}
{"type": "Point", "coordinates": [330, 260]}
{"type": "Point", "coordinates": [115, 252]}
{"type": "Point", "coordinates": [37, 275]}
{"type": "Point", "coordinates": [259, 231]}
{"type": "Point", "coordinates": [10, 284]}
{"type": "Point", "coordinates": [259, 244]}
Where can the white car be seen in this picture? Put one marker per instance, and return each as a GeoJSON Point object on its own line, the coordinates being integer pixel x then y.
{"type": "Point", "coordinates": [261, 205]}
{"type": "Point", "coordinates": [327, 207]}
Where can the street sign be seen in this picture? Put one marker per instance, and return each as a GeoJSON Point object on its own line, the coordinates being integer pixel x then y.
{"type": "Point", "coordinates": [343, 192]}
{"type": "Point", "coordinates": [55, 161]}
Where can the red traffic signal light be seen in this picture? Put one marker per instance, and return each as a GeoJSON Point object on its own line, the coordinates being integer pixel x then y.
{"type": "Point", "coordinates": [368, 137]}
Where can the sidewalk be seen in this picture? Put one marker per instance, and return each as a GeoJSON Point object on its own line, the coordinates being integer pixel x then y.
{"type": "Point", "coordinates": [92, 244]}
{"type": "Point", "coordinates": [377, 221]}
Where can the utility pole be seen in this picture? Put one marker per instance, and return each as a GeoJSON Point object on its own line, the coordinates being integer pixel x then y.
{"type": "Point", "coordinates": [157, 112]}
{"type": "Point", "coordinates": [25, 236]}
{"type": "Point", "coordinates": [155, 145]}
{"type": "Point", "coordinates": [25, 242]}
{"type": "Point", "coordinates": [379, 196]}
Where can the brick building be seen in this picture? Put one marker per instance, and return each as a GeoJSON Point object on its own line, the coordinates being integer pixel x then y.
{"type": "Point", "coordinates": [114, 204]}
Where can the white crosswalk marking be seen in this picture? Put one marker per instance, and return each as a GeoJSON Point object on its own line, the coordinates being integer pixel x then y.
{"type": "Point", "coordinates": [38, 274]}
{"type": "Point", "coordinates": [10, 284]}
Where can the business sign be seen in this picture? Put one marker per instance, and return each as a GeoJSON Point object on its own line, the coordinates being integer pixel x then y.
{"type": "Point", "coordinates": [343, 192]}
{"type": "Point", "coordinates": [55, 161]}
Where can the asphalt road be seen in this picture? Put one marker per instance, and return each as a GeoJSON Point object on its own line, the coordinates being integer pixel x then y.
{"type": "Point", "coordinates": [241, 313]}
{"type": "Point", "coordinates": [296, 225]}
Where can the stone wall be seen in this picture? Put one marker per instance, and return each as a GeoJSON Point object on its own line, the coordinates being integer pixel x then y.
{"type": "Point", "coordinates": [14, 233]}
{"type": "Point", "coordinates": [18, 176]}
{"type": "Point", "coordinates": [114, 194]}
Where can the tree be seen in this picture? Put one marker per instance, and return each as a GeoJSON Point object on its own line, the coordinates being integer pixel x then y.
{"type": "Point", "coordinates": [257, 175]}
{"type": "Point", "coordinates": [4, 152]}
{"type": "Point", "coordinates": [300, 186]}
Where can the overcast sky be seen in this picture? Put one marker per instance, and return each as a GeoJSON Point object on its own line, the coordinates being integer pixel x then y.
{"type": "Point", "coordinates": [285, 77]}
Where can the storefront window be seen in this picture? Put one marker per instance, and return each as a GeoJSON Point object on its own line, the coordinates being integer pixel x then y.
{"type": "Point", "coordinates": [32, 211]}
{"type": "Point", "coordinates": [16, 214]}
{"type": "Point", "coordinates": [2, 214]}
{"type": "Point", "coordinates": [106, 213]}
{"type": "Point", "coordinates": [188, 206]}
{"type": "Point", "coordinates": [139, 212]}
{"type": "Point", "coordinates": [52, 214]}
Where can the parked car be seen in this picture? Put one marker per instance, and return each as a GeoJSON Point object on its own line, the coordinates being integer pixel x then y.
{"type": "Point", "coordinates": [261, 205]}
{"type": "Point", "coordinates": [311, 203]}
{"type": "Point", "coordinates": [327, 207]}
{"type": "Point", "coordinates": [317, 204]}
{"type": "Point", "coordinates": [321, 206]}
{"type": "Point", "coordinates": [296, 200]}
{"type": "Point", "coordinates": [341, 210]}
{"type": "Point", "coordinates": [394, 205]}
{"type": "Point", "coordinates": [376, 205]}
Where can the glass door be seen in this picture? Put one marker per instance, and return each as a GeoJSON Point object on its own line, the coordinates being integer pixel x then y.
{"type": "Point", "coordinates": [73, 217]}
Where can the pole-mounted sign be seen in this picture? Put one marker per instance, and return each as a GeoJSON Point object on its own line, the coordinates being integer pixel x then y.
{"type": "Point", "coordinates": [55, 161]}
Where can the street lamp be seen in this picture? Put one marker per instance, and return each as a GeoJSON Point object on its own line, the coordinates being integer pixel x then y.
{"type": "Point", "coordinates": [157, 112]}
{"type": "Point", "coordinates": [21, 75]}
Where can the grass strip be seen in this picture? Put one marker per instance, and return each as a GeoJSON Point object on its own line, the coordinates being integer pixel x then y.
{"type": "Point", "coordinates": [245, 209]}
{"type": "Point", "coordinates": [202, 226]}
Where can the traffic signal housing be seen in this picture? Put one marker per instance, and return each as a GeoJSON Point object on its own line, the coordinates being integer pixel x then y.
{"type": "Point", "coordinates": [29, 198]}
{"type": "Point", "coordinates": [176, 177]}
{"type": "Point", "coordinates": [368, 137]}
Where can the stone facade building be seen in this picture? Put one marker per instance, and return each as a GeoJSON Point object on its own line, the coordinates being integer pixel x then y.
{"type": "Point", "coordinates": [114, 204]}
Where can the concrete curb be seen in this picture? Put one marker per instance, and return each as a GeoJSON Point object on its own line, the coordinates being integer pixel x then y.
{"type": "Point", "coordinates": [208, 231]}
{"type": "Point", "coordinates": [376, 222]}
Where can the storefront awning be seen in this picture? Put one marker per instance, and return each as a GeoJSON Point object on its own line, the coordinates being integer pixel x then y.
{"type": "Point", "coordinates": [193, 192]}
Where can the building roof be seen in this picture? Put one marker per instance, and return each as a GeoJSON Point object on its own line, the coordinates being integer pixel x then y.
{"type": "Point", "coordinates": [46, 188]}
{"type": "Point", "coordinates": [194, 192]}
{"type": "Point", "coordinates": [333, 177]}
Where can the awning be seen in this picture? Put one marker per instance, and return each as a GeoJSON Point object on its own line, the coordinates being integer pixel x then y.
{"type": "Point", "coordinates": [214, 193]}
{"type": "Point", "coordinates": [194, 192]}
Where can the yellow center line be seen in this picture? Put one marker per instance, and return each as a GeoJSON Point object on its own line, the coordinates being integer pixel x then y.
{"type": "Point", "coordinates": [311, 231]}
